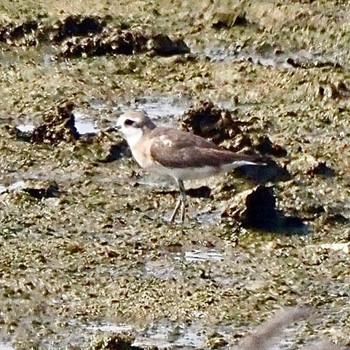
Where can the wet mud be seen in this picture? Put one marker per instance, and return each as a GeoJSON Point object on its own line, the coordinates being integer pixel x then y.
{"type": "Point", "coordinates": [88, 259]}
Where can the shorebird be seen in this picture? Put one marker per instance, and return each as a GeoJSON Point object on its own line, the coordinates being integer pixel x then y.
{"type": "Point", "coordinates": [176, 153]}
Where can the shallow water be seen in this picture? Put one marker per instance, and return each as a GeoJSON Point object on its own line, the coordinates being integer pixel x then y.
{"type": "Point", "coordinates": [6, 346]}
{"type": "Point", "coordinates": [199, 256]}
{"type": "Point", "coordinates": [270, 57]}
{"type": "Point", "coordinates": [83, 124]}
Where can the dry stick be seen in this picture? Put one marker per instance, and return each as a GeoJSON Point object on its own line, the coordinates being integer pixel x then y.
{"type": "Point", "coordinates": [270, 329]}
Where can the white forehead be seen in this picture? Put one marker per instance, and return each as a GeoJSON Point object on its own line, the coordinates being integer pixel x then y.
{"type": "Point", "coordinates": [124, 117]}
{"type": "Point", "coordinates": [131, 133]}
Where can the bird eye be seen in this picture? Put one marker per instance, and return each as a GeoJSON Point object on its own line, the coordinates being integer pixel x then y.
{"type": "Point", "coordinates": [129, 122]}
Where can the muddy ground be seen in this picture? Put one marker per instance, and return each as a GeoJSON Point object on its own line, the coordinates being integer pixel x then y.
{"type": "Point", "coordinates": [86, 249]}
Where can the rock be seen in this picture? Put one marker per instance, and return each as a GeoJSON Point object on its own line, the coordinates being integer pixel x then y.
{"type": "Point", "coordinates": [257, 209]}
{"type": "Point", "coordinates": [162, 45]}
{"type": "Point", "coordinates": [321, 169]}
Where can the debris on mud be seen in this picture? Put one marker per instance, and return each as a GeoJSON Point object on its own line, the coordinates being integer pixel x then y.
{"type": "Point", "coordinates": [27, 33]}
{"type": "Point", "coordinates": [264, 146]}
{"type": "Point", "coordinates": [33, 32]}
{"type": "Point", "coordinates": [162, 45]}
{"type": "Point", "coordinates": [112, 41]}
{"type": "Point", "coordinates": [58, 126]}
{"type": "Point", "coordinates": [257, 209]}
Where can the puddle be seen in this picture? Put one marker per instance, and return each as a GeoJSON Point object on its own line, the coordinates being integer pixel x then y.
{"type": "Point", "coordinates": [210, 217]}
{"type": "Point", "coordinates": [110, 328]}
{"type": "Point", "coordinates": [197, 255]}
{"type": "Point", "coordinates": [271, 57]}
{"type": "Point", "coordinates": [167, 335]}
{"type": "Point", "coordinates": [26, 127]}
{"type": "Point", "coordinates": [163, 269]}
{"type": "Point", "coordinates": [171, 335]}
{"type": "Point", "coordinates": [163, 108]}
{"type": "Point", "coordinates": [15, 186]}
{"type": "Point", "coordinates": [83, 124]}
{"type": "Point", "coordinates": [344, 247]}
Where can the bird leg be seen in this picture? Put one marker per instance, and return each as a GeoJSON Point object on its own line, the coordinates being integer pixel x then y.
{"type": "Point", "coordinates": [181, 201]}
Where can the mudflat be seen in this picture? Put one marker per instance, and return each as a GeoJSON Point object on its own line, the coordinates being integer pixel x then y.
{"type": "Point", "coordinates": [86, 252]}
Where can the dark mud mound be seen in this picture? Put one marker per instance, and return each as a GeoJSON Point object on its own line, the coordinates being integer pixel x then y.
{"type": "Point", "coordinates": [321, 169]}
{"type": "Point", "coordinates": [38, 31]}
{"type": "Point", "coordinates": [42, 190]}
{"type": "Point", "coordinates": [115, 342]}
{"type": "Point", "coordinates": [86, 36]}
{"type": "Point", "coordinates": [117, 41]}
{"type": "Point", "coordinates": [27, 33]}
{"type": "Point", "coordinates": [77, 26]}
{"type": "Point", "coordinates": [257, 209]}
{"type": "Point", "coordinates": [223, 128]}
{"type": "Point", "coordinates": [115, 151]}
{"type": "Point", "coordinates": [225, 18]}
{"type": "Point", "coordinates": [58, 126]}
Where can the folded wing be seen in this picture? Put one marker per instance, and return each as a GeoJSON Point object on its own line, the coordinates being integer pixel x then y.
{"type": "Point", "coordinates": [175, 149]}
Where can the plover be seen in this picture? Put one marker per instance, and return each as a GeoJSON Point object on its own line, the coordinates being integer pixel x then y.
{"type": "Point", "coordinates": [176, 153]}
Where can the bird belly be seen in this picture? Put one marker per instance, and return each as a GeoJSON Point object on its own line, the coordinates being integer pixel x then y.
{"type": "Point", "coordinates": [187, 173]}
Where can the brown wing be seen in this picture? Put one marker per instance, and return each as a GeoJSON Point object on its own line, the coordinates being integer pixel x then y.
{"type": "Point", "coordinates": [178, 149]}
{"type": "Point", "coordinates": [180, 139]}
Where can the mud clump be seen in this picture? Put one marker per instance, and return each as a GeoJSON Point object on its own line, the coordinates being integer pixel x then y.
{"type": "Point", "coordinates": [86, 36]}
{"type": "Point", "coordinates": [115, 342]}
{"type": "Point", "coordinates": [35, 31]}
{"type": "Point", "coordinates": [57, 127]}
{"type": "Point", "coordinates": [109, 42]}
{"type": "Point", "coordinates": [321, 169]}
{"type": "Point", "coordinates": [225, 18]}
{"type": "Point", "coordinates": [77, 26]}
{"type": "Point", "coordinates": [209, 121]}
{"type": "Point", "coordinates": [13, 32]}
{"type": "Point", "coordinates": [162, 45]}
{"type": "Point", "coordinates": [265, 146]}
{"type": "Point", "coordinates": [42, 190]}
{"type": "Point", "coordinates": [118, 41]}
{"type": "Point", "coordinates": [257, 209]}
{"type": "Point", "coordinates": [220, 126]}
{"type": "Point", "coordinates": [115, 151]}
